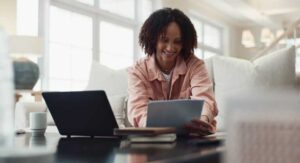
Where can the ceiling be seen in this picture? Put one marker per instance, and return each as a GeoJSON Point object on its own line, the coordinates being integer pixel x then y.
{"type": "Point", "coordinates": [271, 13]}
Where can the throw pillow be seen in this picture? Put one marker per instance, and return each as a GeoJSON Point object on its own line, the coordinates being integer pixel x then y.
{"type": "Point", "coordinates": [209, 66]}
{"type": "Point", "coordinates": [50, 120]}
{"type": "Point", "coordinates": [237, 76]}
{"type": "Point", "coordinates": [113, 82]}
{"type": "Point", "coordinates": [117, 106]}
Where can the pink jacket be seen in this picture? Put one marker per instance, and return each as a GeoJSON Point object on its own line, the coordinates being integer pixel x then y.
{"type": "Point", "coordinates": [146, 82]}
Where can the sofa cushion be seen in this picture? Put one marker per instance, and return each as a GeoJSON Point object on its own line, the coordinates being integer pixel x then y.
{"type": "Point", "coordinates": [235, 76]}
{"type": "Point", "coordinates": [113, 82]}
{"type": "Point", "coordinates": [209, 66]}
{"type": "Point", "coordinates": [50, 120]}
{"type": "Point", "coordinates": [118, 108]}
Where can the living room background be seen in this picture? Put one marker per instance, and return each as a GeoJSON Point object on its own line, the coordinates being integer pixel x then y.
{"type": "Point", "coordinates": [78, 32]}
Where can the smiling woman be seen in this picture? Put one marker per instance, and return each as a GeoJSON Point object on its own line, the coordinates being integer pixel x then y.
{"type": "Point", "coordinates": [170, 70]}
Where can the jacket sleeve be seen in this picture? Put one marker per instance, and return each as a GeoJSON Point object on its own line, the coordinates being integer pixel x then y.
{"type": "Point", "coordinates": [201, 88]}
{"type": "Point", "coordinates": [138, 98]}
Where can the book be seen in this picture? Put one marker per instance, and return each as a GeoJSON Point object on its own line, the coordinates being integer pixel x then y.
{"type": "Point", "coordinates": [145, 131]}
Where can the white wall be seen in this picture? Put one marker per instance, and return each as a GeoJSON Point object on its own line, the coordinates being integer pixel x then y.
{"type": "Point", "coordinates": [8, 15]}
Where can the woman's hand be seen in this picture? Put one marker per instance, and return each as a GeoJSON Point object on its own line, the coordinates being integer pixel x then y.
{"type": "Point", "coordinates": [200, 127]}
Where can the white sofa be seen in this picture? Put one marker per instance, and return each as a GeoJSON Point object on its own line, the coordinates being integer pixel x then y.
{"type": "Point", "coordinates": [229, 75]}
{"type": "Point", "coordinates": [234, 77]}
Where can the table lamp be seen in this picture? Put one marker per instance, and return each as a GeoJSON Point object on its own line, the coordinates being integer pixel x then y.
{"type": "Point", "coordinates": [26, 72]}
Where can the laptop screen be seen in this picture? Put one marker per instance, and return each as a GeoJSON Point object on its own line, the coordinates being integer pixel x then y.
{"type": "Point", "coordinates": [86, 113]}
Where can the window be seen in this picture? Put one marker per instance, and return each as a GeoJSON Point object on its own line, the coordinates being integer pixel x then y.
{"type": "Point", "coordinates": [85, 30]}
{"type": "Point", "coordinates": [198, 26]}
{"type": "Point", "coordinates": [209, 38]}
{"type": "Point", "coordinates": [116, 45]}
{"type": "Point", "coordinates": [70, 49]}
{"type": "Point", "coordinates": [80, 31]}
{"type": "Point", "coordinates": [124, 8]}
{"type": "Point", "coordinates": [212, 36]}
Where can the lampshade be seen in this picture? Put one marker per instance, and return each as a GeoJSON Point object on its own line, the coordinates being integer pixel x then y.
{"type": "Point", "coordinates": [248, 39]}
{"type": "Point", "coordinates": [26, 45]}
{"type": "Point", "coordinates": [266, 36]}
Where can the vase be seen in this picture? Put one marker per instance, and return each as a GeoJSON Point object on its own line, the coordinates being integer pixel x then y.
{"type": "Point", "coordinates": [26, 73]}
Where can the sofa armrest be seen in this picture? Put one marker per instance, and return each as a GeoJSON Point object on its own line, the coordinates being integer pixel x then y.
{"type": "Point", "coordinates": [22, 111]}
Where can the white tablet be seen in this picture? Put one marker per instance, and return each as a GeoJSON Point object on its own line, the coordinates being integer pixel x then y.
{"type": "Point", "coordinates": [173, 113]}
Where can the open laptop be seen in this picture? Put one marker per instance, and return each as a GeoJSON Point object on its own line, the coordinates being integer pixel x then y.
{"type": "Point", "coordinates": [173, 113]}
{"type": "Point", "coordinates": [85, 113]}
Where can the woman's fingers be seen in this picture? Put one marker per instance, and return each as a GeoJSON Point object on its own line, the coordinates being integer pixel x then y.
{"type": "Point", "coordinates": [198, 122]}
{"type": "Point", "coordinates": [198, 128]}
{"type": "Point", "coordinates": [198, 132]}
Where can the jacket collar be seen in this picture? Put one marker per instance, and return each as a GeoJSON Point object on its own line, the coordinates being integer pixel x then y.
{"type": "Point", "coordinates": [155, 73]}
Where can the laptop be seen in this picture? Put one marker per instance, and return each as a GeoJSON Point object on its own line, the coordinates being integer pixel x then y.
{"type": "Point", "coordinates": [173, 113]}
{"type": "Point", "coordinates": [84, 113]}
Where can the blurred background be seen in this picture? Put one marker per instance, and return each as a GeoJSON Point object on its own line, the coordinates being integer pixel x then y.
{"type": "Point", "coordinates": [73, 33]}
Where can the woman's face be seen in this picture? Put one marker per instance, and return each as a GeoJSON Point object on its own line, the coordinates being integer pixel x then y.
{"type": "Point", "coordinates": [169, 44]}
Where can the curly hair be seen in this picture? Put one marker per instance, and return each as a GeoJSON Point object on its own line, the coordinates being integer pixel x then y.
{"type": "Point", "coordinates": [156, 25]}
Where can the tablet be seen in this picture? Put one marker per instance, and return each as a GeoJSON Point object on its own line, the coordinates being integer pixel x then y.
{"type": "Point", "coordinates": [173, 113]}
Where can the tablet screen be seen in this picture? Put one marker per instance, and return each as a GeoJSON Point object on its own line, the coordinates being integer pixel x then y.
{"type": "Point", "coordinates": [173, 113]}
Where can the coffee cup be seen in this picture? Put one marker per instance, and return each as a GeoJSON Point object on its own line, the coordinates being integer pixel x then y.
{"type": "Point", "coordinates": [38, 123]}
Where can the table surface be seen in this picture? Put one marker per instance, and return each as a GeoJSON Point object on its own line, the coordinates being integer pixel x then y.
{"type": "Point", "coordinates": [106, 150]}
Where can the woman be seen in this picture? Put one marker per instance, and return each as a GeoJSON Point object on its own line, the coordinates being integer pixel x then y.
{"type": "Point", "coordinates": [170, 70]}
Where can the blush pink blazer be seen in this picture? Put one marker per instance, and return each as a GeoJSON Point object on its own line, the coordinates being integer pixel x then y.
{"type": "Point", "coordinates": [189, 81]}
